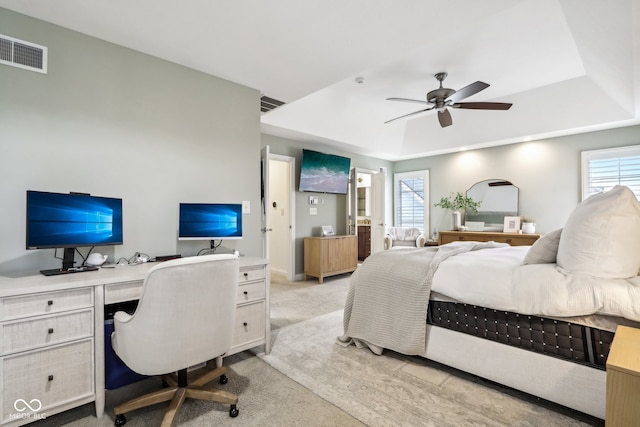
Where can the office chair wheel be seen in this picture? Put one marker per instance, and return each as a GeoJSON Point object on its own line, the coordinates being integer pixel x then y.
{"type": "Point", "coordinates": [224, 379]}
{"type": "Point", "coordinates": [233, 411]}
{"type": "Point", "coordinates": [120, 420]}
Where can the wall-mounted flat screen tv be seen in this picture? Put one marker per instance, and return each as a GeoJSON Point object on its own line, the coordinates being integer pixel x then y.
{"type": "Point", "coordinates": [210, 221]}
{"type": "Point", "coordinates": [324, 173]}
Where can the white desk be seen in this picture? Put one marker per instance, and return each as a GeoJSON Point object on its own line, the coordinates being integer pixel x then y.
{"type": "Point", "coordinates": [52, 334]}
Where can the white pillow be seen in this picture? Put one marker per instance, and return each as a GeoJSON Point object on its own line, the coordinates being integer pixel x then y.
{"type": "Point", "coordinates": [545, 249]}
{"type": "Point", "coordinates": [602, 236]}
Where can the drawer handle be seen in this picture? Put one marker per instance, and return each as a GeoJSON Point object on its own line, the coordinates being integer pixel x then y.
{"type": "Point", "coordinates": [50, 302]}
{"type": "Point", "coordinates": [50, 330]}
{"type": "Point", "coordinates": [50, 378]}
{"type": "Point", "coordinates": [246, 292]}
{"type": "Point", "coordinates": [246, 274]}
{"type": "Point", "coordinates": [509, 240]}
{"type": "Point", "coordinates": [245, 324]}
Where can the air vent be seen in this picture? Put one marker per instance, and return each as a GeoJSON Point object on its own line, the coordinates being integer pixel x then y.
{"type": "Point", "coordinates": [267, 104]}
{"type": "Point", "coordinates": [19, 53]}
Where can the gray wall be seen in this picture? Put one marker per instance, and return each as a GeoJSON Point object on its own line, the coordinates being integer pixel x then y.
{"type": "Point", "coordinates": [333, 210]}
{"type": "Point", "coordinates": [112, 122]}
{"type": "Point", "coordinates": [547, 172]}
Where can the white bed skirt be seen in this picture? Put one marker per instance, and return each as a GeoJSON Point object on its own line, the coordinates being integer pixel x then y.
{"type": "Point", "coordinates": [567, 383]}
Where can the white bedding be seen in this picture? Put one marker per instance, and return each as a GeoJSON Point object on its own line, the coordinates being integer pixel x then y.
{"type": "Point", "coordinates": [495, 278]}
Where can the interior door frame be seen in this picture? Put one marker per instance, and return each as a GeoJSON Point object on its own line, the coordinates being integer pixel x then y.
{"type": "Point", "coordinates": [292, 211]}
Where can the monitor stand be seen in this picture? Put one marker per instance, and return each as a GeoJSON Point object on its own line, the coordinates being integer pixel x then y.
{"type": "Point", "coordinates": [67, 265]}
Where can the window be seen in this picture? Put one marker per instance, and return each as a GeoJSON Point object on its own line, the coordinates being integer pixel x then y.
{"type": "Point", "coordinates": [603, 169]}
{"type": "Point", "coordinates": [411, 194]}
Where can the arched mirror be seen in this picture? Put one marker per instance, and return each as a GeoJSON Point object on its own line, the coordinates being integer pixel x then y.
{"type": "Point", "coordinates": [499, 198]}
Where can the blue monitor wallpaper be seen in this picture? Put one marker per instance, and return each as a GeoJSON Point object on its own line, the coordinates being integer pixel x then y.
{"type": "Point", "coordinates": [57, 220]}
{"type": "Point", "coordinates": [210, 221]}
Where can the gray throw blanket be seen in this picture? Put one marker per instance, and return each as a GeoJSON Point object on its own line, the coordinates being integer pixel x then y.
{"type": "Point", "coordinates": [388, 297]}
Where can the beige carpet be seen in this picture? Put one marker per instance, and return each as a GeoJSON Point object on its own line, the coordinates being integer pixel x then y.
{"type": "Point", "coordinates": [397, 390]}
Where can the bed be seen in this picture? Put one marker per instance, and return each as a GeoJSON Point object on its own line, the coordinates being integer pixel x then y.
{"type": "Point", "coordinates": [536, 318]}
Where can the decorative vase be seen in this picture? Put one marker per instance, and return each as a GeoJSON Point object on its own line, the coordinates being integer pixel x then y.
{"type": "Point", "coordinates": [528, 227]}
{"type": "Point", "coordinates": [456, 220]}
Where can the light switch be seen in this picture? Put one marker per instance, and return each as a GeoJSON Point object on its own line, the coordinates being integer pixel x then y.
{"type": "Point", "coordinates": [246, 207]}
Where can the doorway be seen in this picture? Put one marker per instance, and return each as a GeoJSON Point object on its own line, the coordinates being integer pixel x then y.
{"type": "Point", "coordinates": [281, 218]}
{"type": "Point", "coordinates": [366, 210]}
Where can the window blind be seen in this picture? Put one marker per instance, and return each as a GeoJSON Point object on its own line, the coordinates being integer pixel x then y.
{"type": "Point", "coordinates": [604, 169]}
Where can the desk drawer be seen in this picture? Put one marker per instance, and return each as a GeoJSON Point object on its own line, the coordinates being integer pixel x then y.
{"type": "Point", "coordinates": [46, 330]}
{"type": "Point", "coordinates": [250, 324]}
{"type": "Point", "coordinates": [52, 376]}
{"type": "Point", "coordinates": [249, 274]}
{"type": "Point", "coordinates": [45, 303]}
{"type": "Point", "coordinates": [251, 291]}
{"type": "Point", "coordinates": [121, 292]}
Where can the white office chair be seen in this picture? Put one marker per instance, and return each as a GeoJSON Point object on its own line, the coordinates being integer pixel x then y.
{"type": "Point", "coordinates": [186, 315]}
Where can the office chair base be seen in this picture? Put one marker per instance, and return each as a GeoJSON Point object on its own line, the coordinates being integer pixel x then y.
{"type": "Point", "coordinates": [177, 394]}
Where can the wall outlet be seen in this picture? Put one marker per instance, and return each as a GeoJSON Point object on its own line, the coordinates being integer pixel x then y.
{"type": "Point", "coordinates": [313, 211]}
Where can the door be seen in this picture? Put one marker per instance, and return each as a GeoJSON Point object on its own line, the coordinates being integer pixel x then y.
{"type": "Point", "coordinates": [352, 206]}
{"type": "Point", "coordinates": [378, 223]}
{"type": "Point", "coordinates": [264, 195]}
{"type": "Point", "coordinates": [281, 203]}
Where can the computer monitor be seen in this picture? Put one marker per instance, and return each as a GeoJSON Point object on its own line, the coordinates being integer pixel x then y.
{"type": "Point", "coordinates": [210, 221]}
{"type": "Point", "coordinates": [57, 220]}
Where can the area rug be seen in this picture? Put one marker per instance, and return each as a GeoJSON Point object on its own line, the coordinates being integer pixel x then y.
{"type": "Point", "coordinates": [393, 389]}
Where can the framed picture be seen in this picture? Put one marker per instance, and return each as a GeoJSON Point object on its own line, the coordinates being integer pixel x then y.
{"type": "Point", "coordinates": [511, 224]}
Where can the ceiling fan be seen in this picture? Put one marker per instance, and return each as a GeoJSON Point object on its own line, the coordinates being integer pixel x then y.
{"type": "Point", "coordinates": [441, 98]}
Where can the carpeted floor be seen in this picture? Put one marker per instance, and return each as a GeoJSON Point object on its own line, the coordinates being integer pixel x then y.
{"type": "Point", "coordinates": [308, 380]}
{"type": "Point", "coordinates": [398, 390]}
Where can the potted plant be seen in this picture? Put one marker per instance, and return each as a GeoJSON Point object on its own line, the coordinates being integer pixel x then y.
{"type": "Point", "coordinates": [458, 203]}
{"type": "Point", "coordinates": [528, 225]}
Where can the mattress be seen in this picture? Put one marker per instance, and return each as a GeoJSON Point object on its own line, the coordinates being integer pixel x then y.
{"type": "Point", "coordinates": [554, 337]}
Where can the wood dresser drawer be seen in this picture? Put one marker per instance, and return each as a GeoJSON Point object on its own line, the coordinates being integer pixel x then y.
{"type": "Point", "coordinates": [43, 331]}
{"type": "Point", "coordinates": [251, 291]}
{"type": "Point", "coordinates": [514, 239]}
{"type": "Point", "coordinates": [53, 376]}
{"type": "Point", "coordinates": [45, 303]}
{"type": "Point", "coordinates": [250, 326]}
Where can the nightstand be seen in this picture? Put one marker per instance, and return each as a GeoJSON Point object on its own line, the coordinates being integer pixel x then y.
{"type": "Point", "coordinates": [623, 378]}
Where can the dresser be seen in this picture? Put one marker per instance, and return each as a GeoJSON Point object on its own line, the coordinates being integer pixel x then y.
{"type": "Point", "coordinates": [52, 334]}
{"type": "Point", "coordinates": [514, 239]}
{"type": "Point", "coordinates": [330, 255]}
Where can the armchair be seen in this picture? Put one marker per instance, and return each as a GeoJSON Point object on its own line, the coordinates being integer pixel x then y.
{"type": "Point", "coordinates": [402, 236]}
{"type": "Point", "coordinates": [186, 315]}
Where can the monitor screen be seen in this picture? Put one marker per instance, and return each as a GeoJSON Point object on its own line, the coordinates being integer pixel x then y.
{"type": "Point", "coordinates": [210, 221]}
{"type": "Point", "coordinates": [56, 220]}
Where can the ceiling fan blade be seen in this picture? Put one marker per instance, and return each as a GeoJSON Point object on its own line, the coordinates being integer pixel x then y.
{"type": "Point", "coordinates": [482, 105]}
{"type": "Point", "coordinates": [410, 114]}
{"type": "Point", "coordinates": [467, 91]}
{"type": "Point", "coordinates": [407, 100]}
{"type": "Point", "coordinates": [444, 117]}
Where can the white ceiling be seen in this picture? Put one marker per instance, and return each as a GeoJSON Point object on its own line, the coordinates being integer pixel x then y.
{"type": "Point", "coordinates": [568, 66]}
